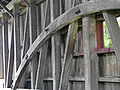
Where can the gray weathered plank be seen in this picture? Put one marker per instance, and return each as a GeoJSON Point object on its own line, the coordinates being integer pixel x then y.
{"type": "Point", "coordinates": [41, 66]}
{"type": "Point", "coordinates": [56, 45]}
{"type": "Point", "coordinates": [82, 79]}
{"type": "Point", "coordinates": [33, 36]}
{"type": "Point", "coordinates": [5, 43]}
{"type": "Point", "coordinates": [44, 49]}
{"type": "Point", "coordinates": [26, 41]}
{"type": "Point", "coordinates": [17, 46]}
{"type": "Point", "coordinates": [90, 54]}
{"type": "Point", "coordinates": [10, 60]}
{"type": "Point", "coordinates": [39, 19]}
{"type": "Point", "coordinates": [69, 49]}
{"type": "Point", "coordinates": [101, 79]}
{"type": "Point", "coordinates": [1, 54]}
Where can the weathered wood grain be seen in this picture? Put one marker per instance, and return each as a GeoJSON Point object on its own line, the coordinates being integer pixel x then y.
{"type": "Point", "coordinates": [26, 41]}
{"type": "Point", "coordinates": [1, 54]}
{"type": "Point", "coordinates": [17, 46]}
{"type": "Point", "coordinates": [10, 60]}
{"type": "Point", "coordinates": [43, 57]}
{"type": "Point", "coordinates": [61, 22]}
{"type": "Point", "coordinates": [109, 71]}
{"type": "Point", "coordinates": [33, 36]}
{"type": "Point", "coordinates": [56, 45]}
{"type": "Point", "coordinates": [41, 67]}
{"type": "Point", "coordinates": [69, 49]}
{"type": "Point", "coordinates": [5, 44]}
{"type": "Point", "coordinates": [90, 55]}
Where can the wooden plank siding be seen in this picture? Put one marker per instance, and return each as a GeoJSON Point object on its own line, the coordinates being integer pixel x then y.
{"type": "Point", "coordinates": [59, 45]}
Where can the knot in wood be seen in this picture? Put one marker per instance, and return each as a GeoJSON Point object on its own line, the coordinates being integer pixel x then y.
{"type": "Point", "coordinates": [26, 57]}
{"type": "Point", "coordinates": [78, 12]}
{"type": "Point", "coordinates": [46, 30]}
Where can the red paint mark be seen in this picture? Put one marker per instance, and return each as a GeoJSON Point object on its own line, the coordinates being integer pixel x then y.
{"type": "Point", "coordinates": [99, 51]}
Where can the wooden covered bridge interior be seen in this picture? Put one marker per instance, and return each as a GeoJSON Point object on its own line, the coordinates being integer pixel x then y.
{"type": "Point", "coordinates": [59, 44]}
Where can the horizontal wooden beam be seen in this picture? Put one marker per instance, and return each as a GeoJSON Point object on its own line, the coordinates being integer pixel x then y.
{"type": "Point", "coordinates": [99, 51]}
{"type": "Point", "coordinates": [101, 79]}
{"type": "Point", "coordinates": [74, 14]}
{"type": "Point", "coordinates": [82, 79]}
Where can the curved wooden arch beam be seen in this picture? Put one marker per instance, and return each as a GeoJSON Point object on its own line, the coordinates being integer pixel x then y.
{"type": "Point", "coordinates": [66, 18]}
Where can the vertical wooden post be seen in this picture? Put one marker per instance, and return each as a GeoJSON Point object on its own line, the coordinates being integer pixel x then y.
{"type": "Point", "coordinates": [17, 46]}
{"type": "Point", "coordinates": [5, 44]}
{"type": "Point", "coordinates": [1, 54]}
{"type": "Point", "coordinates": [33, 36]}
{"type": "Point", "coordinates": [90, 53]}
{"type": "Point", "coordinates": [56, 46]}
{"type": "Point", "coordinates": [10, 60]}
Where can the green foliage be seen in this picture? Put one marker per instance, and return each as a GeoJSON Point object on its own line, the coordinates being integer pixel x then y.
{"type": "Point", "coordinates": [107, 40]}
